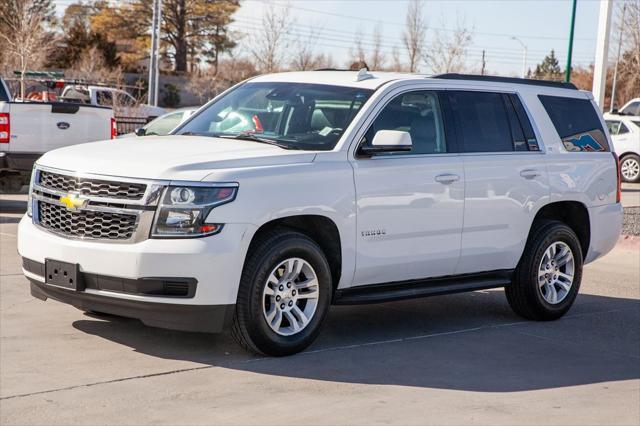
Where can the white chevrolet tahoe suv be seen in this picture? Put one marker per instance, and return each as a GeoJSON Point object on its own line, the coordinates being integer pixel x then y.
{"type": "Point", "coordinates": [295, 191]}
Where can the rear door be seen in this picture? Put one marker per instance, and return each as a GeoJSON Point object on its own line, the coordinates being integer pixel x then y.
{"type": "Point", "coordinates": [409, 205]}
{"type": "Point", "coordinates": [506, 178]}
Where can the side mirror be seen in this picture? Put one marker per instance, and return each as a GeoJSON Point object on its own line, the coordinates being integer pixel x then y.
{"type": "Point", "coordinates": [388, 141]}
{"type": "Point", "coordinates": [141, 131]}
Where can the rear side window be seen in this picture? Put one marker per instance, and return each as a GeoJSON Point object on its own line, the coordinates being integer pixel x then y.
{"type": "Point", "coordinates": [576, 122]}
{"type": "Point", "coordinates": [529, 134]}
{"type": "Point", "coordinates": [482, 121]}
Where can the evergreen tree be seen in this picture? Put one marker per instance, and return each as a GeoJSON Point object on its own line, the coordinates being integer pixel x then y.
{"type": "Point", "coordinates": [549, 68]}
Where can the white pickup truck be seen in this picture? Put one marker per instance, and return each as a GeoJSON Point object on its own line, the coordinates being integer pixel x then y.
{"type": "Point", "coordinates": [29, 129]}
{"type": "Point", "coordinates": [122, 102]}
{"type": "Point", "coordinates": [292, 192]}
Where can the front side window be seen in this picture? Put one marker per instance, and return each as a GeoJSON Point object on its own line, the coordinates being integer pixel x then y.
{"type": "Point", "coordinates": [163, 125]}
{"type": "Point", "coordinates": [576, 122]}
{"type": "Point", "coordinates": [482, 121]}
{"type": "Point", "coordinates": [291, 115]}
{"type": "Point", "coordinates": [417, 113]}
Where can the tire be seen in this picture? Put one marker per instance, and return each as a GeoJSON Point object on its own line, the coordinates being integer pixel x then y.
{"type": "Point", "coordinates": [630, 168]}
{"type": "Point", "coordinates": [277, 252]}
{"type": "Point", "coordinates": [531, 295]}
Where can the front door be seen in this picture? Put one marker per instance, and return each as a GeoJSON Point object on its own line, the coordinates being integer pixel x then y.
{"type": "Point", "coordinates": [409, 205]}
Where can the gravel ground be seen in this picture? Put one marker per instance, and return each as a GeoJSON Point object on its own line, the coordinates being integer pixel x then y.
{"type": "Point", "coordinates": [631, 224]}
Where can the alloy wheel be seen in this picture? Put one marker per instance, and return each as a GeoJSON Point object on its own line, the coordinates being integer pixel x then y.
{"type": "Point", "coordinates": [290, 296]}
{"type": "Point", "coordinates": [630, 169]}
{"type": "Point", "coordinates": [556, 272]}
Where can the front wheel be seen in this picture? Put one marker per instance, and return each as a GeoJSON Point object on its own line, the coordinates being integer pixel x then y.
{"type": "Point", "coordinates": [547, 279]}
{"type": "Point", "coordinates": [284, 294]}
{"type": "Point", "coordinates": [630, 168]}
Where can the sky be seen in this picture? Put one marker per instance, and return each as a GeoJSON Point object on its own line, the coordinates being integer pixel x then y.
{"type": "Point", "coordinates": [541, 25]}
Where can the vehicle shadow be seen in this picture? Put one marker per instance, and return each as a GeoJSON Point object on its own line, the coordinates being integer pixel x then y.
{"type": "Point", "coordinates": [466, 342]}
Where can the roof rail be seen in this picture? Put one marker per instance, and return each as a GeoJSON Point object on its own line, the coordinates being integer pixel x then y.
{"type": "Point", "coordinates": [513, 80]}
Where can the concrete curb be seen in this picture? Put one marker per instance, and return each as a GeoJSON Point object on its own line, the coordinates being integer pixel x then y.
{"type": "Point", "coordinates": [629, 242]}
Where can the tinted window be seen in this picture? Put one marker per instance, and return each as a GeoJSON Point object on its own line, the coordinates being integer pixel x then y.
{"type": "Point", "coordinates": [576, 122]}
{"type": "Point", "coordinates": [296, 115]}
{"type": "Point", "coordinates": [517, 135]}
{"type": "Point", "coordinates": [419, 114]}
{"type": "Point", "coordinates": [529, 134]}
{"type": "Point", "coordinates": [482, 121]}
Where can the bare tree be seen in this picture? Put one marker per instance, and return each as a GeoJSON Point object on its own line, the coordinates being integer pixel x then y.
{"type": "Point", "coordinates": [396, 62]}
{"type": "Point", "coordinates": [377, 55]}
{"type": "Point", "coordinates": [23, 34]}
{"type": "Point", "coordinates": [357, 52]}
{"type": "Point", "coordinates": [92, 66]}
{"type": "Point", "coordinates": [414, 34]}
{"type": "Point", "coordinates": [448, 51]}
{"type": "Point", "coordinates": [269, 45]}
{"type": "Point", "coordinates": [629, 66]}
{"type": "Point", "coordinates": [304, 57]}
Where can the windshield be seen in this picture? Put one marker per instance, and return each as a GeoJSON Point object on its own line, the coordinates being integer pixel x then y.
{"type": "Point", "coordinates": [295, 115]}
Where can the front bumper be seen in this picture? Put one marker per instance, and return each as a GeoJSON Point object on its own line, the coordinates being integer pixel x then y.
{"type": "Point", "coordinates": [215, 262]}
{"type": "Point", "coordinates": [198, 318]}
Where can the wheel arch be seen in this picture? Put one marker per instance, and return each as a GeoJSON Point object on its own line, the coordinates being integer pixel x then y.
{"type": "Point", "coordinates": [322, 229]}
{"type": "Point", "coordinates": [572, 213]}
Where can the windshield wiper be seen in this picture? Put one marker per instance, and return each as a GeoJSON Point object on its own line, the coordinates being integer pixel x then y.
{"type": "Point", "coordinates": [254, 138]}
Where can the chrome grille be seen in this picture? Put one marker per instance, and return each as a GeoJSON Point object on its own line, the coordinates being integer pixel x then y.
{"type": "Point", "coordinates": [86, 223]}
{"type": "Point", "coordinates": [92, 187]}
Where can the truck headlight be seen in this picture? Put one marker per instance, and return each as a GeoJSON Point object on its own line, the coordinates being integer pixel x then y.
{"type": "Point", "coordinates": [34, 172]}
{"type": "Point", "coordinates": [183, 210]}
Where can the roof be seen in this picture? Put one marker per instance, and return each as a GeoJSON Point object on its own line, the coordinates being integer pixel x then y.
{"type": "Point", "coordinates": [337, 78]}
{"type": "Point", "coordinates": [375, 79]}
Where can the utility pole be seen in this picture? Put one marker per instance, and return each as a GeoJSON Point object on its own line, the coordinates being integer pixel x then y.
{"type": "Point", "coordinates": [483, 64]}
{"type": "Point", "coordinates": [567, 71]}
{"type": "Point", "coordinates": [615, 70]}
{"type": "Point", "coordinates": [524, 56]}
{"type": "Point", "coordinates": [153, 57]}
{"type": "Point", "coordinates": [602, 51]}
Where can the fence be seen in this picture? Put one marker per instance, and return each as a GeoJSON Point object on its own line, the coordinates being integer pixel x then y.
{"type": "Point", "coordinates": [129, 124]}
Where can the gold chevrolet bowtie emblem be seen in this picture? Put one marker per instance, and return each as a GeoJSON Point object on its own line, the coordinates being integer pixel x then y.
{"type": "Point", "coordinates": [72, 202]}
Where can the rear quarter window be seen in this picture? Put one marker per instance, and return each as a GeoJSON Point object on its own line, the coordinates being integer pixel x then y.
{"type": "Point", "coordinates": [576, 122]}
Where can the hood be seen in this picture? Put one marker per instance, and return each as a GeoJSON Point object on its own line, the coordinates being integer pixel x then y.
{"type": "Point", "coordinates": [169, 157]}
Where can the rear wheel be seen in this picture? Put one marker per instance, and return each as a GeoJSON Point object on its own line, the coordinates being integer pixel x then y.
{"type": "Point", "coordinates": [284, 294]}
{"type": "Point", "coordinates": [547, 280]}
{"type": "Point", "coordinates": [630, 168]}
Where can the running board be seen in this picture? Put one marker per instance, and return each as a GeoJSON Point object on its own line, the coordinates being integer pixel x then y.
{"type": "Point", "coordinates": [377, 293]}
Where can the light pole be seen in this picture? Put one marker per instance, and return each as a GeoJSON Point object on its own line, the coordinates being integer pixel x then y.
{"type": "Point", "coordinates": [153, 57]}
{"type": "Point", "coordinates": [567, 71]}
{"type": "Point", "coordinates": [524, 55]}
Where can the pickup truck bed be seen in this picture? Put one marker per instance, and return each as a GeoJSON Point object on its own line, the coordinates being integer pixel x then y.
{"type": "Point", "coordinates": [30, 129]}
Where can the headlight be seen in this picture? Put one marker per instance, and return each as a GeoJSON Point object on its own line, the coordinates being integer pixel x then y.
{"type": "Point", "coordinates": [183, 210]}
{"type": "Point", "coordinates": [34, 172]}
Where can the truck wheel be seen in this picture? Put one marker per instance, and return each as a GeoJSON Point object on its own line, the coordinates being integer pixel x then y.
{"type": "Point", "coordinates": [630, 168]}
{"type": "Point", "coordinates": [547, 279]}
{"type": "Point", "coordinates": [284, 294]}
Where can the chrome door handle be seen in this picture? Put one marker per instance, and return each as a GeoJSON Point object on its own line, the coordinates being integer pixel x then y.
{"type": "Point", "coordinates": [529, 173]}
{"type": "Point", "coordinates": [447, 178]}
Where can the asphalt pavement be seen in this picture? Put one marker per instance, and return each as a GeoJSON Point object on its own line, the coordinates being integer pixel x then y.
{"type": "Point", "coordinates": [458, 359]}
